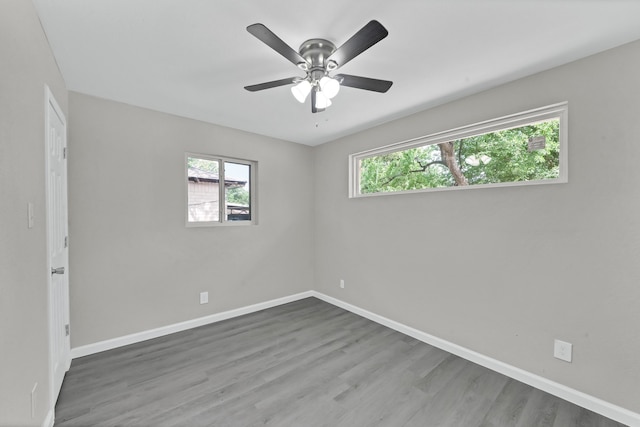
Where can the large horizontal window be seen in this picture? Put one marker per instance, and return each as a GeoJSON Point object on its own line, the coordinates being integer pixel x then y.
{"type": "Point", "coordinates": [219, 190]}
{"type": "Point", "coordinates": [521, 149]}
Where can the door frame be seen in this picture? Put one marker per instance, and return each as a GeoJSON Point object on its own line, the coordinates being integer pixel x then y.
{"type": "Point", "coordinates": [51, 103]}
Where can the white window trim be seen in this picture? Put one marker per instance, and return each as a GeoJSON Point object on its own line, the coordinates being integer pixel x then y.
{"type": "Point", "coordinates": [559, 111]}
{"type": "Point", "coordinates": [223, 222]}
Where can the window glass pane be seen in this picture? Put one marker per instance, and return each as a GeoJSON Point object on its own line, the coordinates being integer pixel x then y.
{"type": "Point", "coordinates": [526, 153]}
{"type": "Point", "coordinates": [237, 191]}
{"type": "Point", "coordinates": [203, 190]}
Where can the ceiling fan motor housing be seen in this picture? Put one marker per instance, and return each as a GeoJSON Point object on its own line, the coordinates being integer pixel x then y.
{"type": "Point", "coordinates": [316, 52]}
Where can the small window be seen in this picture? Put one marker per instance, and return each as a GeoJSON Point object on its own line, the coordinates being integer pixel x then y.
{"type": "Point", "coordinates": [219, 190]}
{"type": "Point", "coordinates": [525, 148]}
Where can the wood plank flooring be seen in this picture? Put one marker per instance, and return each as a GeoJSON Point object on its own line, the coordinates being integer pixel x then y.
{"type": "Point", "coordinates": [307, 363]}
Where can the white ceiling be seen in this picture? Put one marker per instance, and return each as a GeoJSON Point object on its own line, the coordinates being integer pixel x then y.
{"type": "Point", "coordinates": [193, 58]}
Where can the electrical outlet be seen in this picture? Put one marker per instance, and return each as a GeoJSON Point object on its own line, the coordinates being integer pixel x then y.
{"type": "Point", "coordinates": [342, 283]}
{"type": "Point", "coordinates": [204, 297]}
{"type": "Point", "coordinates": [562, 350]}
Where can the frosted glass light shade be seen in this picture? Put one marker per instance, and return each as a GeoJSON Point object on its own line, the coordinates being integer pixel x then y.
{"type": "Point", "coordinates": [301, 90]}
{"type": "Point", "coordinates": [330, 87]}
{"type": "Point", "coordinates": [322, 101]}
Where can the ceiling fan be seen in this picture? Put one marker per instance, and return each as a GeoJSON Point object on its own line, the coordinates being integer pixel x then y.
{"type": "Point", "coordinates": [319, 57]}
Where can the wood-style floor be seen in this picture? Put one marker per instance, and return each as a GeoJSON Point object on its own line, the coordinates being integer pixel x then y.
{"type": "Point", "coordinates": [307, 363]}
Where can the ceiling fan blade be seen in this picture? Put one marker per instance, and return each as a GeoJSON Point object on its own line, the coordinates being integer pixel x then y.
{"type": "Point", "coordinates": [314, 109]}
{"type": "Point", "coordinates": [269, 85]}
{"type": "Point", "coordinates": [365, 83]}
{"type": "Point", "coordinates": [368, 35]}
{"type": "Point", "coordinates": [274, 42]}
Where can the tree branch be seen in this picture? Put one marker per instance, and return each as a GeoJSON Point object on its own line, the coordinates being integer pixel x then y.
{"type": "Point", "coordinates": [423, 168]}
{"type": "Point", "coordinates": [447, 154]}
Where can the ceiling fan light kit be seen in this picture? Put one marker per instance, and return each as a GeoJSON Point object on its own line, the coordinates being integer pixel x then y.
{"type": "Point", "coordinates": [317, 58]}
{"type": "Point", "coordinates": [301, 90]}
{"type": "Point", "coordinates": [330, 87]}
{"type": "Point", "coordinates": [322, 101]}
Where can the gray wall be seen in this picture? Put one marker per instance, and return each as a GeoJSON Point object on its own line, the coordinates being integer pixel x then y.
{"type": "Point", "coordinates": [134, 265]}
{"type": "Point", "coordinates": [26, 64]}
{"type": "Point", "coordinates": [504, 271]}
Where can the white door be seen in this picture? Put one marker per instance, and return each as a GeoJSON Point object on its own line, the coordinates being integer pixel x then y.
{"type": "Point", "coordinates": [57, 241]}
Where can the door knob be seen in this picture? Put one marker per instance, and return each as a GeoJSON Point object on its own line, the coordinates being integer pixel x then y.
{"type": "Point", "coordinates": [59, 270]}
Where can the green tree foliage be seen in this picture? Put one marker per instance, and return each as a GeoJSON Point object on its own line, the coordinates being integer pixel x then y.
{"type": "Point", "coordinates": [238, 195]}
{"type": "Point", "coordinates": [203, 164]}
{"type": "Point", "coordinates": [495, 157]}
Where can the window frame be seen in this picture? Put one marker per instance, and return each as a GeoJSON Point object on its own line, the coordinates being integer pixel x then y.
{"type": "Point", "coordinates": [558, 111]}
{"type": "Point", "coordinates": [222, 207]}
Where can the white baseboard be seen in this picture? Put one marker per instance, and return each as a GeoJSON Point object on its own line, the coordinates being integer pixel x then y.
{"type": "Point", "coordinates": [584, 400]}
{"type": "Point", "coordinates": [49, 420]}
{"type": "Point", "coordinates": [86, 350]}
